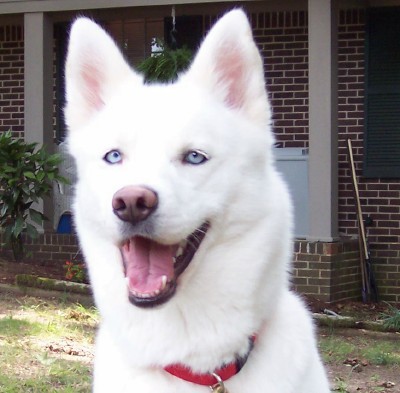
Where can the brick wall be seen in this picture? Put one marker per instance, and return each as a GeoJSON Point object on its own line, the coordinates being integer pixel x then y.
{"type": "Point", "coordinates": [327, 271]}
{"type": "Point", "coordinates": [12, 79]}
{"type": "Point", "coordinates": [350, 112]}
{"type": "Point", "coordinates": [282, 38]}
{"type": "Point", "coordinates": [380, 198]}
{"type": "Point", "coordinates": [48, 249]}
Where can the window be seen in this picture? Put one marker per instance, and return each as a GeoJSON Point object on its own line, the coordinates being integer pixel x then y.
{"type": "Point", "coordinates": [382, 94]}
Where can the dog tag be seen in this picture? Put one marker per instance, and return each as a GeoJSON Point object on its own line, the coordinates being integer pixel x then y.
{"type": "Point", "coordinates": [218, 388]}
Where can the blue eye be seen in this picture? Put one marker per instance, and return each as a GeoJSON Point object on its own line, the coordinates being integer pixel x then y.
{"type": "Point", "coordinates": [195, 157]}
{"type": "Point", "coordinates": [113, 157]}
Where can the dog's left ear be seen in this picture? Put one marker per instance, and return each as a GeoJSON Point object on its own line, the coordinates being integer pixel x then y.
{"type": "Point", "coordinates": [228, 64]}
{"type": "Point", "coordinates": [95, 69]}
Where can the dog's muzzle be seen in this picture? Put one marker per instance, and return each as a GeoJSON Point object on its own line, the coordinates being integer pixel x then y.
{"type": "Point", "coordinates": [151, 268]}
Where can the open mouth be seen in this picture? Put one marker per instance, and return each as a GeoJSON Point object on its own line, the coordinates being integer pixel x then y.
{"type": "Point", "coordinates": [152, 269]}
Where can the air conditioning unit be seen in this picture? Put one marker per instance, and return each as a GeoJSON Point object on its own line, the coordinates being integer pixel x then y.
{"type": "Point", "coordinates": [292, 163]}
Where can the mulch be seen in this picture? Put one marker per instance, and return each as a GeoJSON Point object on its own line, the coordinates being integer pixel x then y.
{"type": "Point", "coordinates": [364, 311]}
{"type": "Point", "coordinates": [368, 311]}
{"type": "Point", "coordinates": [9, 269]}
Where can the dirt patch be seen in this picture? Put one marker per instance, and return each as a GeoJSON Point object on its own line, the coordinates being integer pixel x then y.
{"type": "Point", "coordinates": [355, 371]}
{"type": "Point", "coordinates": [368, 379]}
{"type": "Point", "coordinates": [68, 348]}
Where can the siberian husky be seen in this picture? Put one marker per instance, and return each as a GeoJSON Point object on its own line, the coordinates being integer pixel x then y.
{"type": "Point", "coordinates": [185, 223]}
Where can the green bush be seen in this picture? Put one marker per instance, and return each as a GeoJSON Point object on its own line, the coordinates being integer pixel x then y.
{"type": "Point", "coordinates": [26, 176]}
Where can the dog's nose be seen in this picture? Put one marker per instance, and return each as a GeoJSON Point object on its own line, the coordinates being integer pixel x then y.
{"type": "Point", "coordinates": [134, 203]}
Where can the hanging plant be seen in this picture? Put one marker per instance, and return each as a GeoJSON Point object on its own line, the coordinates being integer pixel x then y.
{"type": "Point", "coordinates": [165, 66]}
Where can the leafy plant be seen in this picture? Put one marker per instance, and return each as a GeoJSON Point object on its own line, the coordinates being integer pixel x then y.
{"type": "Point", "coordinates": [75, 272]}
{"type": "Point", "coordinates": [26, 176]}
{"type": "Point", "coordinates": [391, 318]}
{"type": "Point", "coordinates": [341, 386]}
{"type": "Point", "coordinates": [165, 66]}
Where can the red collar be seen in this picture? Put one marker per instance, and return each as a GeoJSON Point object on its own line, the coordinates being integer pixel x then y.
{"type": "Point", "coordinates": [208, 379]}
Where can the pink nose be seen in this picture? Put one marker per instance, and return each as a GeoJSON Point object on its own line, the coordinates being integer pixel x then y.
{"type": "Point", "coordinates": [134, 203]}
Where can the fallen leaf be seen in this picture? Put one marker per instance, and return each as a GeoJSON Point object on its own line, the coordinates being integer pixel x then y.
{"type": "Point", "coordinates": [388, 384]}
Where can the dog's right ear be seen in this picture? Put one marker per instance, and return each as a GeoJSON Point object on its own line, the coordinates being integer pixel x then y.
{"type": "Point", "coordinates": [95, 68]}
{"type": "Point", "coordinates": [229, 65]}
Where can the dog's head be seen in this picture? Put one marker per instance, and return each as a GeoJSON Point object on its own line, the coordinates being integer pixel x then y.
{"type": "Point", "coordinates": [162, 167]}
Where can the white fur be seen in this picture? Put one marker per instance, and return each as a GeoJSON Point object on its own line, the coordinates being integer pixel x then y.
{"type": "Point", "coordinates": [237, 283]}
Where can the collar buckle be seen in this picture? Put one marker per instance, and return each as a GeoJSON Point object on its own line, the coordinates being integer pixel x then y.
{"type": "Point", "coordinates": [219, 387]}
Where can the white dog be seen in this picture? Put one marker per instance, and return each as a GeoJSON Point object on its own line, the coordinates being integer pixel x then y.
{"type": "Point", "coordinates": [185, 223]}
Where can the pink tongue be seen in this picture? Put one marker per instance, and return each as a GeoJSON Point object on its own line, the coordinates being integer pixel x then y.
{"type": "Point", "coordinates": [146, 263]}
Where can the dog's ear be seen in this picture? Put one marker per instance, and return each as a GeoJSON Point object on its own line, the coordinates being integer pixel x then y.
{"type": "Point", "coordinates": [228, 64]}
{"type": "Point", "coordinates": [95, 68]}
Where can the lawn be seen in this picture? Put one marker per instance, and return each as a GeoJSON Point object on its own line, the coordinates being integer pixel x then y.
{"type": "Point", "coordinates": [360, 361]}
{"type": "Point", "coordinates": [46, 345]}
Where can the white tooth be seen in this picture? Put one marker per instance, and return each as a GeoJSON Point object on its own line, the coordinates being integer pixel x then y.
{"type": "Point", "coordinates": [156, 292]}
{"type": "Point", "coordinates": [138, 294]}
{"type": "Point", "coordinates": [174, 260]}
{"type": "Point", "coordinates": [163, 282]}
{"type": "Point", "coordinates": [180, 251]}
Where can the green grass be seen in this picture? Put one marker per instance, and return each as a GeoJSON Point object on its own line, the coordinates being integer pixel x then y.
{"type": "Point", "coordinates": [33, 336]}
{"type": "Point", "coordinates": [47, 375]}
{"type": "Point", "coordinates": [336, 349]}
{"type": "Point", "coordinates": [11, 327]}
{"type": "Point", "coordinates": [383, 353]}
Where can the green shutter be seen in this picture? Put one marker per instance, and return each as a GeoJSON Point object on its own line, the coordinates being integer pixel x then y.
{"type": "Point", "coordinates": [382, 94]}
